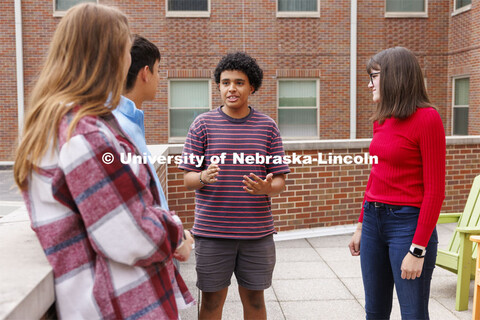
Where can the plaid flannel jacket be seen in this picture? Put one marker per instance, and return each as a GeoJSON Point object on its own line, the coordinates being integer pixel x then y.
{"type": "Point", "coordinates": [99, 223]}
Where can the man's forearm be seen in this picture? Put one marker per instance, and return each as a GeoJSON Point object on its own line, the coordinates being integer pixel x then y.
{"type": "Point", "coordinates": [191, 180]}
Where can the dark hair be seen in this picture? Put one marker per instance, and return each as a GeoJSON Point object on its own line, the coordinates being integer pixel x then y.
{"type": "Point", "coordinates": [144, 53]}
{"type": "Point", "coordinates": [240, 61]}
{"type": "Point", "coordinates": [402, 87]}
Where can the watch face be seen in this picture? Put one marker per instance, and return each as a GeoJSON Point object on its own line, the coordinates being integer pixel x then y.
{"type": "Point", "coordinates": [418, 251]}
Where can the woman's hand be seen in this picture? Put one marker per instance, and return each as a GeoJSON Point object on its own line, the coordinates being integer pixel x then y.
{"type": "Point", "coordinates": [183, 252]}
{"type": "Point", "coordinates": [411, 267]}
{"type": "Point", "coordinates": [354, 244]}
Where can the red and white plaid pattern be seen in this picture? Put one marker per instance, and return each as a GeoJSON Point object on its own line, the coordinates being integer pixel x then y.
{"type": "Point", "coordinates": [103, 231]}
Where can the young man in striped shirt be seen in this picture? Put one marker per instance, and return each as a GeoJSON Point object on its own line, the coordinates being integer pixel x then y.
{"type": "Point", "coordinates": [233, 220]}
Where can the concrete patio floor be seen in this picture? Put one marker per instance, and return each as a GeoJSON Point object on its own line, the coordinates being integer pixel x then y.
{"type": "Point", "coordinates": [317, 278]}
{"type": "Point", "coordinates": [314, 278]}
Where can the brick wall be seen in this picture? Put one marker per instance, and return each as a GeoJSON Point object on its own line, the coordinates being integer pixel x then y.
{"type": "Point", "coordinates": [446, 45]}
{"type": "Point", "coordinates": [8, 82]}
{"type": "Point", "coordinates": [328, 195]}
{"type": "Point", "coordinates": [426, 37]}
{"type": "Point", "coordinates": [463, 59]}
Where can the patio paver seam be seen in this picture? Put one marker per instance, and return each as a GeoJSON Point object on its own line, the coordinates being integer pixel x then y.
{"type": "Point", "coordinates": [446, 307]}
{"type": "Point", "coordinates": [338, 277]}
{"type": "Point", "coordinates": [279, 303]}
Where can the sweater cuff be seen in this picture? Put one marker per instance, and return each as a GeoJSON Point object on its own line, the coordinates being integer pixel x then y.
{"type": "Point", "coordinates": [422, 235]}
{"type": "Point", "coordinates": [360, 219]}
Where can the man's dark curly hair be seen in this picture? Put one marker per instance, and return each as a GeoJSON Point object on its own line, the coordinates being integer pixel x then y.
{"type": "Point", "coordinates": [240, 61]}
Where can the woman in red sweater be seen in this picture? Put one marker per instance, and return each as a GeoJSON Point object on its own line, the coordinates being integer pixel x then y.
{"type": "Point", "coordinates": [396, 233]}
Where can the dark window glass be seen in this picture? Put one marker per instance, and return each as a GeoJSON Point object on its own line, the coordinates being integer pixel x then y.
{"type": "Point", "coordinates": [187, 5]}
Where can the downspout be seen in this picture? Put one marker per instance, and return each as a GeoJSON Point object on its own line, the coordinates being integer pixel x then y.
{"type": "Point", "coordinates": [353, 69]}
{"type": "Point", "coordinates": [19, 55]}
{"type": "Point", "coordinates": [243, 24]}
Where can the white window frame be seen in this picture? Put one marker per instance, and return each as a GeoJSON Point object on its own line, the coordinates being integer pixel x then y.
{"type": "Point", "coordinates": [60, 13]}
{"type": "Point", "coordinates": [453, 100]}
{"type": "Point", "coordinates": [317, 107]}
{"type": "Point", "coordinates": [191, 14]}
{"type": "Point", "coordinates": [407, 14]}
{"type": "Point", "coordinates": [182, 139]}
{"type": "Point", "coordinates": [460, 10]}
{"type": "Point", "coordinates": [298, 14]}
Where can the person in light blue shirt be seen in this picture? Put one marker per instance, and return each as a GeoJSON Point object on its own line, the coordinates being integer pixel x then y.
{"type": "Point", "coordinates": [141, 85]}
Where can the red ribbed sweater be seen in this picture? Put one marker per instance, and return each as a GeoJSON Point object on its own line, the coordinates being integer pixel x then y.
{"type": "Point", "coordinates": [411, 167]}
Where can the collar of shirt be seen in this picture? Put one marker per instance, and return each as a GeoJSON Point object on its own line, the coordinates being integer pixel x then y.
{"type": "Point", "coordinates": [128, 108]}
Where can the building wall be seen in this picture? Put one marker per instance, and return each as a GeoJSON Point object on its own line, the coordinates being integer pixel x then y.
{"type": "Point", "coordinates": [8, 82]}
{"type": "Point", "coordinates": [426, 37]}
{"type": "Point", "coordinates": [328, 195]}
{"type": "Point", "coordinates": [446, 45]}
{"type": "Point", "coordinates": [280, 45]}
{"type": "Point", "coordinates": [463, 60]}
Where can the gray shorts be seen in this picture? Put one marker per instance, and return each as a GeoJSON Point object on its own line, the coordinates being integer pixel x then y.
{"type": "Point", "coordinates": [251, 260]}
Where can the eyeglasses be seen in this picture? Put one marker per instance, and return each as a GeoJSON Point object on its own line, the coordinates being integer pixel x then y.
{"type": "Point", "coordinates": [373, 76]}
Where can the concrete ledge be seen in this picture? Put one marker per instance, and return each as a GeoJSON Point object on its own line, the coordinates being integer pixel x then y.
{"type": "Point", "coordinates": [6, 165]}
{"type": "Point", "coordinates": [174, 148]}
{"type": "Point", "coordinates": [326, 144]}
{"type": "Point", "coordinates": [26, 277]}
{"type": "Point", "coordinates": [465, 140]}
{"type": "Point", "coordinates": [159, 149]}
{"type": "Point", "coordinates": [314, 232]}
{"type": "Point", "coordinates": [167, 149]}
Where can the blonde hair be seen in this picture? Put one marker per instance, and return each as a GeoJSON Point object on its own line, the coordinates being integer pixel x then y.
{"type": "Point", "coordinates": [84, 67]}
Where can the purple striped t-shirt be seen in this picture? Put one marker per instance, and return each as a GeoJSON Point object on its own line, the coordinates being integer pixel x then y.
{"type": "Point", "coordinates": [223, 209]}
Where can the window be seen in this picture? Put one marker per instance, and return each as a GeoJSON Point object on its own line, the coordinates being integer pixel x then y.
{"type": "Point", "coordinates": [187, 99]}
{"type": "Point", "coordinates": [298, 8]}
{"type": "Point", "coordinates": [461, 6]}
{"type": "Point", "coordinates": [462, 3]}
{"type": "Point", "coordinates": [460, 105]}
{"type": "Point", "coordinates": [188, 8]}
{"type": "Point", "coordinates": [298, 108]}
{"type": "Point", "coordinates": [61, 6]}
{"type": "Point", "coordinates": [405, 8]}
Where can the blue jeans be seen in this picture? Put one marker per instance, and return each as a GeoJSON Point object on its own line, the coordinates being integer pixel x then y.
{"type": "Point", "coordinates": [387, 234]}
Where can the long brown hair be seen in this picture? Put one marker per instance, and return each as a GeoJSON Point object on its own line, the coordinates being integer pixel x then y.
{"type": "Point", "coordinates": [84, 66]}
{"type": "Point", "coordinates": [402, 87]}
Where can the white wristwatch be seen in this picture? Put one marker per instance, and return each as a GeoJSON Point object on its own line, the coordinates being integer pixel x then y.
{"type": "Point", "coordinates": [417, 252]}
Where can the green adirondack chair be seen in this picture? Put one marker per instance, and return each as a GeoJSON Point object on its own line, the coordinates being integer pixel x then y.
{"type": "Point", "coordinates": [460, 257]}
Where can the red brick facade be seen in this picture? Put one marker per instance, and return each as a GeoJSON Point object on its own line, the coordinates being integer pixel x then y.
{"type": "Point", "coordinates": [329, 195]}
{"type": "Point", "coordinates": [464, 60]}
{"type": "Point", "coordinates": [446, 45]}
{"type": "Point", "coordinates": [8, 84]}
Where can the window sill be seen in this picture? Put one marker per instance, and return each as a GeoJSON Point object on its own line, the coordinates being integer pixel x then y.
{"type": "Point", "coordinates": [298, 14]}
{"type": "Point", "coordinates": [177, 139]}
{"type": "Point", "coordinates": [59, 14]}
{"type": "Point", "coordinates": [406, 15]}
{"type": "Point", "coordinates": [187, 14]}
{"type": "Point", "coordinates": [462, 10]}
